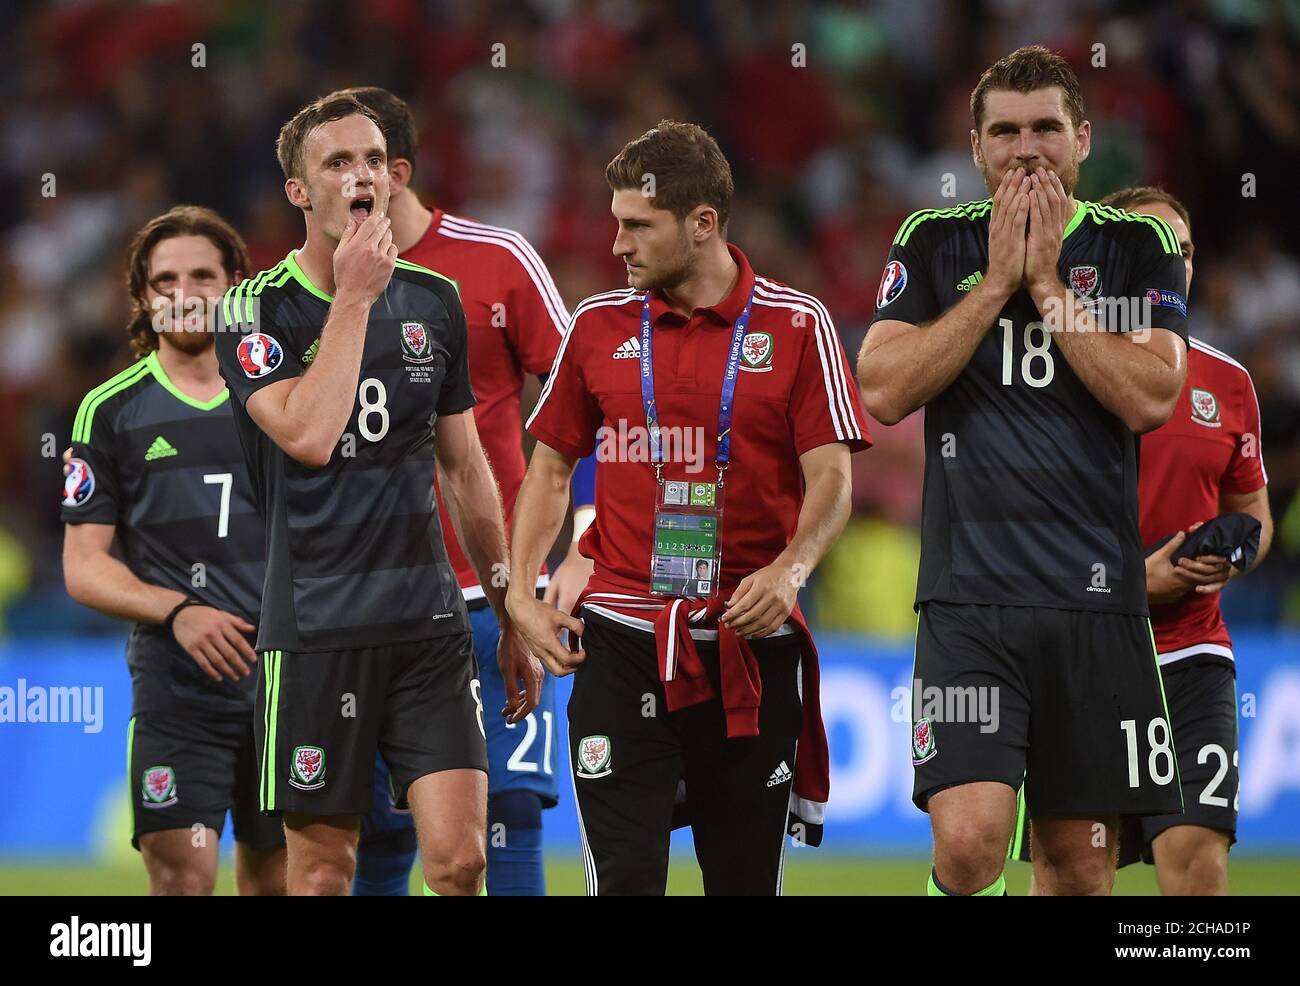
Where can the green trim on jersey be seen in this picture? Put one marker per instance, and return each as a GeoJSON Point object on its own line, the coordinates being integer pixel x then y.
{"type": "Point", "coordinates": [249, 288]}
{"type": "Point", "coordinates": [1018, 835]}
{"type": "Point", "coordinates": [407, 265]}
{"type": "Point", "coordinates": [291, 262]}
{"type": "Point", "coordinates": [160, 375]}
{"type": "Point", "coordinates": [1164, 705]}
{"type": "Point", "coordinates": [225, 304]}
{"type": "Point", "coordinates": [967, 210]}
{"type": "Point", "coordinates": [916, 636]}
{"type": "Point", "coordinates": [271, 717]}
{"type": "Point", "coordinates": [246, 290]}
{"type": "Point", "coordinates": [275, 276]}
{"type": "Point", "coordinates": [973, 211]}
{"type": "Point", "coordinates": [130, 746]}
{"type": "Point", "coordinates": [1080, 210]}
{"type": "Point", "coordinates": [1168, 239]}
{"type": "Point", "coordinates": [1155, 656]}
{"type": "Point", "coordinates": [81, 425]}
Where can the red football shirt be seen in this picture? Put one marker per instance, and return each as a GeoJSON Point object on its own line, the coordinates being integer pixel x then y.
{"type": "Point", "coordinates": [794, 392]}
{"type": "Point", "coordinates": [1210, 446]}
{"type": "Point", "coordinates": [516, 321]}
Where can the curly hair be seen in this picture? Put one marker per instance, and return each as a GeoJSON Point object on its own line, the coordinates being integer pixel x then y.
{"type": "Point", "coordinates": [182, 220]}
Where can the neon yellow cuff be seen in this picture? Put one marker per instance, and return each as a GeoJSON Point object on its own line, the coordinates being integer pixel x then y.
{"type": "Point", "coordinates": [429, 892]}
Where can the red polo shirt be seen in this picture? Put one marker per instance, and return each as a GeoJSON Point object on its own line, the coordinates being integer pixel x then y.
{"type": "Point", "coordinates": [1209, 447]}
{"type": "Point", "coordinates": [794, 392]}
{"type": "Point", "coordinates": [516, 320]}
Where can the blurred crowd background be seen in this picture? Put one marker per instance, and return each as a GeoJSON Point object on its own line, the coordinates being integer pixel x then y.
{"type": "Point", "coordinates": [839, 119]}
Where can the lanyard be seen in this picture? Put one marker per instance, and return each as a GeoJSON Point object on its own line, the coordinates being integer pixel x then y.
{"type": "Point", "coordinates": [723, 456]}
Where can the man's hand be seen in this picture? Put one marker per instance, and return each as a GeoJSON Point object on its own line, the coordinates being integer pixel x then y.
{"type": "Point", "coordinates": [1166, 583]}
{"type": "Point", "coordinates": [540, 626]}
{"type": "Point", "coordinates": [364, 258]}
{"type": "Point", "coordinates": [568, 581]}
{"type": "Point", "coordinates": [763, 601]}
{"type": "Point", "coordinates": [1007, 233]}
{"type": "Point", "coordinates": [518, 665]}
{"type": "Point", "coordinates": [1048, 208]}
{"type": "Point", "coordinates": [1209, 573]}
{"type": "Point", "coordinates": [215, 639]}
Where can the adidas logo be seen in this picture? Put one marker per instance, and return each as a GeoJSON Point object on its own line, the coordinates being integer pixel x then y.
{"type": "Point", "coordinates": [780, 775]}
{"type": "Point", "coordinates": [310, 354]}
{"type": "Point", "coordinates": [160, 449]}
{"type": "Point", "coordinates": [970, 281]}
{"type": "Point", "coordinates": [629, 350]}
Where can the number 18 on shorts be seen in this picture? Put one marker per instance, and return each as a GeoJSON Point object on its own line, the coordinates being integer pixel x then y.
{"type": "Point", "coordinates": [1070, 702]}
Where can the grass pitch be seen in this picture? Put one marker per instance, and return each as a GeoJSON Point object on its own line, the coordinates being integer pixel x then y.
{"type": "Point", "coordinates": [824, 876]}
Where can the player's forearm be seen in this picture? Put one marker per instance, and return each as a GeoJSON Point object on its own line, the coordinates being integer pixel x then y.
{"type": "Point", "coordinates": [826, 506]}
{"type": "Point", "coordinates": [474, 502]}
{"type": "Point", "coordinates": [907, 372]}
{"type": "Point", "coordinates": [319, 406]}
{"type": "Point", "coordinates": [539, 514]}
{"type": "Point", "coordinates": [1255, 504]}
{"type": "Point", "coordinates": [1265, 541]}
{"type": "Point", "coordinates": [104, 583]}
{"type": "Point", "coordinates": [1126, 375]}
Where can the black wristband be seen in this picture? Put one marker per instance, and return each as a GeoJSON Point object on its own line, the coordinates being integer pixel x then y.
{"type": "Point", "coordinates": [171, 617]}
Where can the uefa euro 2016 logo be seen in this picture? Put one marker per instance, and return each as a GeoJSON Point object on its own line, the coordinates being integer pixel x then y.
{"type": "Point", "coordinates": [259, 355]}
{"type": "Point", "coordinates": [892, 283]}
{"type": "Point", "coordinates": [78, 484]}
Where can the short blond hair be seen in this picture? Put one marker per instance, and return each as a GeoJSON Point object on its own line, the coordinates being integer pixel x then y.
{"type": "Point", "coordinates": [327, 109]}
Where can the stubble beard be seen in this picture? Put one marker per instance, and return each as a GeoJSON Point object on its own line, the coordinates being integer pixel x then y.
{"type": "Point", "coordinates": [681, 268]}
{"type": "Point", "coordinates": [190, 343]}
{"type": "Point", "coordinates": [1069, 176]}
